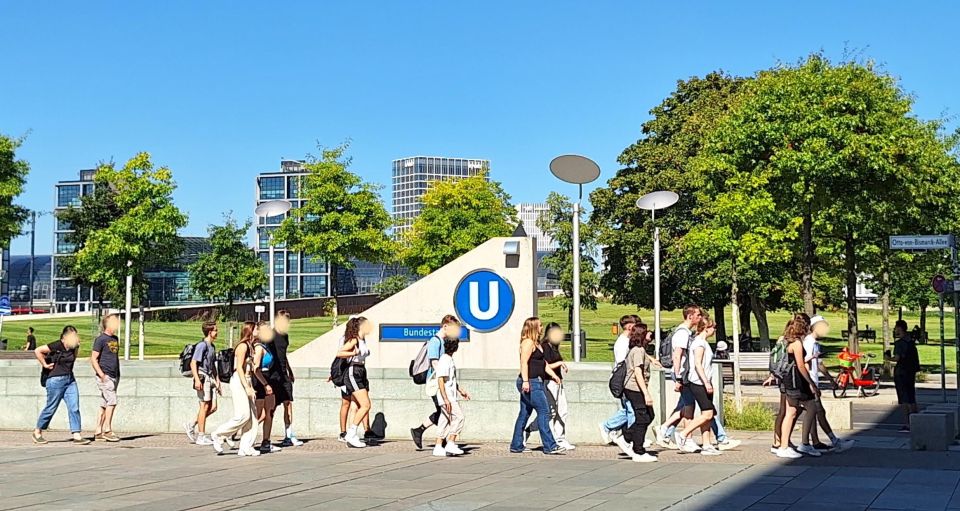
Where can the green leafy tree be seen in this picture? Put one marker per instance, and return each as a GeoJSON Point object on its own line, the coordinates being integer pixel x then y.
{"type": "Point", "coordinates": [13, 176]}
{"type": "Point", "coordinates": [557, 223]}
{"type": "Point", "coordinates": [230, 270]}
{"type": "Point", "coordinates": [391, 285]}
{"type": "Point", "coordinates": [141, 235]}
{"type": "Point", "coordinates": [830, 160]}
{"type": "Point", "coordinates": [457, 216]}
{"type": "Point", "coordinates": [342, 218]}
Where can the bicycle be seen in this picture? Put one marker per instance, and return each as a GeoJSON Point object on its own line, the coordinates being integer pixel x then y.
{"type": "Point", "coordinates": [868, 382]}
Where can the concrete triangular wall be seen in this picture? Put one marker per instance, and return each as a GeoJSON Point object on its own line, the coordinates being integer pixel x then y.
{"type": "Point", "coordinates": [430, 298]}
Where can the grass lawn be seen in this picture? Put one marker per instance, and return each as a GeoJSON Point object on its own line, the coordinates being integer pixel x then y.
{"type": "Point", "coordinates": [168, 338]}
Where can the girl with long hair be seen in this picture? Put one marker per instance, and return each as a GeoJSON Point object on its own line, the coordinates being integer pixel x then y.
{"type": "Point", "coordinates": [556, 395]}
{"type": "Point", "coordinates": [637, 392]}
{"type": "Point", "coordinates": [355, 351]}
{"type": "Point", "coordinates": [701, 386]}
{"type": "Point", "coordinates": [533, 395]}
{"type": "Point", "coordinates": [242, 393]}
{"type": "Point", "coordinates": [797, 388]}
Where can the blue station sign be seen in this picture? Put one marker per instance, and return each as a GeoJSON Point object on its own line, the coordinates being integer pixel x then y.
{"type": "Point", "coordinates": [484, 301]}
{"type": "Point", "coordinates": [415, 332]}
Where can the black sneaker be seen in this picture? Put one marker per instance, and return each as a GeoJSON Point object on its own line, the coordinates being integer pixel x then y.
{"type": "Point", "coordinates": [820, 446]}
{"type": "Point", "coordinates": [370, 437]}
{"type": "Point", "coordinates": [557, 451]}
{"type": "Point", "coordinates": [342, 437]}
{"type": "Point", "coordinates": [417, 435]}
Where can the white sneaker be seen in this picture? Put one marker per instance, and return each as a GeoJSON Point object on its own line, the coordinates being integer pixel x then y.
{"type": "Point", "coordinates": [605, 435]}
{"type": "Point", "coordinates": [623, 445]}
{"type": "Point", "coordinates": [293, 441]}
{"type": "Point", "coordinates": [645, 458]}
{"type": "Point", "coordinates": [354, 441]}
{"type": "Point", "coordinates": [230, 443]}
{"type": "Point", "coordinates": [615, 434]}
{"type": "Point", "coordinates": [647, 444]}
{"type": "Point", "coordinates": [773, 450]}
{"type": "Point", "coordinates": [842, 445]}
{"type": "Point", "coordinates": [567, 445]}
{"type": "Point", "coordinates": [690, 447]}
{"type": "Point", "coordinates": [809, 450]}
{"type": "Point", "coordinates": [788, 453]}
{"type": "Point", "coordinates": [204, 440]}
{"type": "Point", "coordinates": [679, 439]}
{"type": "Point", "coordinates": [253, 453]}
{"type": "Point", "coordinates": [729, 445]}
{"type": "Point", "coordinates": [710, 451]}
{"type": "Point", "coordinates": [439, 451]}
{"type": "Point", "coordinates": [191, 430]}
{"type": "Point", "coordinates": [453, 449]}
{"type": "Point", "coordinates": [217, 443]}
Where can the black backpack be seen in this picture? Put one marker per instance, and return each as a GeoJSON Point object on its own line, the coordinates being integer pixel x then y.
{"type": "Point", "coordinates": [338, 371]}
{"type": "Point", "coordinates": [185, 357]}
{"type": "Point", "coordinates": [666, 348]}
{"type": "Point", "coordinates": [618, 379]}
{"type": "Point", "coordinates": [225, 364]}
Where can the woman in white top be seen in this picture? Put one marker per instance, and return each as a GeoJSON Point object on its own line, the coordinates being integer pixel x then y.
{"type": "Point", "coordinates": [700, 374]}
{"type": "Point", "coordinates": [356, 385]}
{"type": "Point", "coordinates": [241, 390]}
{"type": "Point", "coordinates": [451, 418]}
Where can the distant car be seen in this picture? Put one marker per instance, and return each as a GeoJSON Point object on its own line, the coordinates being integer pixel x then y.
{"type": "Point", "coordinates": [26, 310]}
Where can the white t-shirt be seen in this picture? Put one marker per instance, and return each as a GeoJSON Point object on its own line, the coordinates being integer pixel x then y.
{"type": "Point", "coordinates": [812, 348]}
{"type": "Point", "coordinates": [620, 348]}
{"type": "Point", "coordinates": [681, 336]}
{"type": "Point", "coordinates": [701, 342]}
{"type": "Point", "coordinates": [364, 352]}
{"type": "Point", "coordinates": [447, 369]}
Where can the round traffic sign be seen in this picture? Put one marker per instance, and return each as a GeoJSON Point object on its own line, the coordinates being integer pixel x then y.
{"type": "Point", "coordinates": [939, 283]}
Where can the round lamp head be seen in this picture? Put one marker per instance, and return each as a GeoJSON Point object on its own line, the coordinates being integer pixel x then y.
{"type": "Point", "coordinates": [575, 169]}
{"type": "Point", "coordinates": [657, 200]}
{"type": "Point", "coordinates": [273, 208]}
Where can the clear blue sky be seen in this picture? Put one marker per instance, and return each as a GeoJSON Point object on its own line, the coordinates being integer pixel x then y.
{"type": "Point", "coordinates": [220, 91]}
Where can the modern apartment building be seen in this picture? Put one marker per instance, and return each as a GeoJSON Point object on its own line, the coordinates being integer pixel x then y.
{"type": "Point", "coordinates": [296, 275]}
{"type": "Point", "coordinates": [412, 176]}
{"type": "Point", "coordinates": [529, 214]}
{"type": "Point", "coordinates": [67, 296]}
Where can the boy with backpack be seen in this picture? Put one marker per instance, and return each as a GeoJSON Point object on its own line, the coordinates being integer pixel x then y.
{"type": "Point", "coordinates": [206, 381]}
{"type": "Point", "coordinates": [624, 417]}
{"type": "Point", "coordinates": [423, 367]}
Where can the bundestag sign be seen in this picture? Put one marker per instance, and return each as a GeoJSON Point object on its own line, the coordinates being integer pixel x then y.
{"type": "Point", "coordinates": [939, 242]}
{"type": "Point", "coordinates": [415, 333]}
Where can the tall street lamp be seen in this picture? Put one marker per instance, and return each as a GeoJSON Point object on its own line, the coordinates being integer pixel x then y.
{"type": "Point", "coordinates": [578, 170]}
{"type": "Point", "coordinates": [652, 202]}
{"type": "Point", "coordinates": [269, 209]}
{"type": "Point", "coordinates": [128, 304]}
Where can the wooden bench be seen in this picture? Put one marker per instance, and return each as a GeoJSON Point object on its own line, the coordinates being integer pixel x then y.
{"type": "Point", "coordinates": [753, 362]}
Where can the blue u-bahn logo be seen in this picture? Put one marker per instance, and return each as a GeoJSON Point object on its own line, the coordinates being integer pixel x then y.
{"type": "Point", "coordinates": [484, 301]}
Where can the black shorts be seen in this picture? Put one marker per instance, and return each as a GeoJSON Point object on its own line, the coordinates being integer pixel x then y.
{"type": "Point", "coordinates": [282, 388]}
{"type": "Point", "coordinates": [701, 397]}
{"type": "Point", "coordinates": [356, 379]}
{"type": "Point", "coordinates": [259, 390]}
{"type": "Point", "coordinates": [906, 385]}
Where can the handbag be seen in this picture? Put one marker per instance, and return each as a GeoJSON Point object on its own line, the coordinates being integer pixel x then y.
{"type": "Point", "coordinates": [44, 372]}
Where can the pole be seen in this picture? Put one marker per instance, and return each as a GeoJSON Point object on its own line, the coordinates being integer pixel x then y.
{"type": "Point", "coordinates": [33, 244]}
{"type": "Point", "coordinates": [956, 319]}
{"type": "Point", "coordinates": [140, 333]}
{"type": "Point", "coordinates": [943, 356]}
{"type": "Point", "coordinates": [575, 335]}
{"type": "Point", "coordinates": [272, 304]}
{"type": "Point", "coordinates": [735, 309]}
{"type": "Point", "coordinates": [656, 281]}
{"type": "Point", "coordinates": [128, 304]}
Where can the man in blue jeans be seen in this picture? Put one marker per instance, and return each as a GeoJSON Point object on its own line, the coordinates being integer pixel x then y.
{"type": "Point", "coordinates": [624, 417]}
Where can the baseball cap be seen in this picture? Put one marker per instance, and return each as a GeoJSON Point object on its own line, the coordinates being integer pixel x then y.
{"type": "Point", "coordinates": [722, 346]}
{"type": "Point", "coordinates": [817, 319]}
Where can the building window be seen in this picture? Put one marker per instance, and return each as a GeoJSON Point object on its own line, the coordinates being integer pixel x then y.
{"type": "Point", "coordinates": [271, 188]}
{"type": "Point", "coordinates": [63, 225]}
{"type": "Point", "coordinates": [293, 287]}
{"type": "Point", "coordinates": [293, 187]}
{"type": "Point", "coordinates": [309, 266]}
{"type": "Point", "coordinates": [293, 260]}
{"type": "Point", "coordinates": [278, 262]}
{"type": "Point", "coordinates": [68, 195]}
{"type": "Point", "coordinates": [278, 286]}
{"type": "Point", "coordinates": [264, 233]}
{"type": "Point", "coordinates": [63, 246]}
{"type": "Point", "coordinates": [314, 285]}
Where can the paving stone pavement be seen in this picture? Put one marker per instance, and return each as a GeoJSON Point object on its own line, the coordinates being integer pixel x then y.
{"type": "Point", "coordinates": [162, 473]}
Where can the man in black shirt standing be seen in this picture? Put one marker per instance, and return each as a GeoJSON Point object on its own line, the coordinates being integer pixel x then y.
{"type": "Point", "coordinates": [283, 378]}
{"type": "Point", "coordinates": [905, 372]}
{"type": "Point", "coordinates": [105, 359]}
{"type": "Point", "coordinates": [31, 340]}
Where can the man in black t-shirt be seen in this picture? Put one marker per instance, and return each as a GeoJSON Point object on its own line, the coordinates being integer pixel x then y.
{"type": "Point", "coordinates": [31, 340]}
{"type": "Point", "coordinates": [283, 377]}
{"type": "Point", "coordinates": [905, 372]}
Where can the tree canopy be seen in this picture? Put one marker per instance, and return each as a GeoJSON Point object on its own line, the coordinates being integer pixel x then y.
{"type": "Point", "coordinates": [13, 176]}
{"type": "Point", "coordinates": [230, 271]}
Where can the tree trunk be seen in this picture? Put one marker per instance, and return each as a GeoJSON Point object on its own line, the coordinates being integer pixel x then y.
{"type": "Point", "coordinates": [923, 323]}
{"type": "Point", "coordinates": [760, 313]}
{"type": "Point", "coordinates": [885, 320]}
{"type": "Point", "coordinates": [850, 268]}
{"type": "Point", "coordinates": [806, 270]}
{"type": "Point", "coordinates": [721, 320]}
{"type": "Point", "coordinates": [333, 293]}
{"type": "Point", "coordinates": [744, 315]}
{"type": "Point", "coordinates": [737, 395]}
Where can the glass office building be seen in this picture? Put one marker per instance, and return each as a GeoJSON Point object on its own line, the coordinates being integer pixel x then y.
{"type": "Point", "coordinates": [295, 275]}
{"type": "Point", "coordinates": [529, 214]}
{"type": "Point", "coordinates": [67, 296]}
{"type": "Point", "coordinates": [412, 176]}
